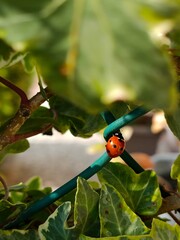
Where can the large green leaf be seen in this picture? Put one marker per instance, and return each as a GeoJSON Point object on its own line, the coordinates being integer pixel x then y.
{"type": "Point", "coordinates": [86, 216]}
{"type": "Point", "coordinates": [109, 56]}
{"type": "Point", "coordinates": [78, 121]}
{"type": "Point", "coordinates": [91, 52]}
{"type": "Point", "coordinates": [116, 217]}
{"type": "Point", "coordinates": [19, 235]}
{"type": "Point", "coordinates": [175, 171]}
{"type": "Point", "coordinates": [160, 231]}
{"type": "Point", "coordinates": [55, 226]}
{"type": "Point", "coordinates": [140, 191]}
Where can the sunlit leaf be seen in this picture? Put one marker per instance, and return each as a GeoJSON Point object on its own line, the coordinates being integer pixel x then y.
{"type": "Point", "coordinates": [140, 191]}
{"type": "Point", "coordinates": [55, 226]}
{"type": "Point", "coordinates": [86, 209]}
{"type": "Point", "coordinates": [145, 237]}
{"type": "Point", "coordinates": [107, 62]}
{"type": "Point", "coordinates": [101, 51]}
{"type": "Point", "coordinates": [116, 217]}
{"type": "Point", "coordinates": [34, 183]}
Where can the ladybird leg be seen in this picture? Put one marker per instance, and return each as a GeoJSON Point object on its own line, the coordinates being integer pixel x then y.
{"type": "Point", "coordinates": [121, 140]}
{"type": "Point", "coordinates": [119, 135]}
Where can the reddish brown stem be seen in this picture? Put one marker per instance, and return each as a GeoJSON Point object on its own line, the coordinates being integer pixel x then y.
{"type": "Point", "coordinates": [174, 218]}
{"type": "Point", "coordinates": [8, 135]}
{"type": "Point", "coordinates": [20, 92]}
{"type": "Point", "coordinates": [18, 137]}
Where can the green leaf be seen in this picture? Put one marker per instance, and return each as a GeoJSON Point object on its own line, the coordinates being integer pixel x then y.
{"type": "Point", "coordinates": [140, 191]}
{"type": "Point", "coordinates": [40, 119]}
{"type": "Point", "coordinates": [175, 171]}
{"type": "Point", "coordinates": [8, 56]}
{"type": "Point", "coordinates": [99, 54]}
{"type": "Point", "coordinates": [173, 121]}
{"type": "Point", "coordinates": [8, 211]}
{"type": "Point", "coordinates": [17, 147]}
{"type": "Point", "coordinates": [86, 217]}
{"type": "Point", "coordinates": [55, 226]}
{"type": "Point", "coordinates": [105, 63]}
{"type": "Point", "coordinates": [144, 237]}
{"type": "Point", "coordinates": [18, 187]}
{"type": "Point", "coordinates": [116, 217]}
{"type": "Point", "coordinates": [71, 117]}
{"type": "Point", "coordinates": [28, 192]}
{"type": "Point", "coordinates": [19, 235]}
{"type": "Point", "coordinates": [163, 231]}
{"type": "Point", "coordinates": [34, 183]}
{"type": "Point", "coordinates": [69, 197]}
{"type": "Point", "coordinates": [119, 108]}
{"type": "Point", "coordinates": [28, 63]}
{"type": "Point", "coordinates": [78, 121]}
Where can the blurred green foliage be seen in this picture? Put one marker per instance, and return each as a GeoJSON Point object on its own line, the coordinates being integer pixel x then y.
{"type": "Point", "coordinates": [9, 100]}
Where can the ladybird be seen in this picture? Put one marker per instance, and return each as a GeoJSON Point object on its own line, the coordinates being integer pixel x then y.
{"type": "Point", "coordinates": [115, 145]}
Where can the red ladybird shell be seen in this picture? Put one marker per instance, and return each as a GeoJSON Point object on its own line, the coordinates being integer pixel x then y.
{"type": "Point", "coordinates": [115, 146]}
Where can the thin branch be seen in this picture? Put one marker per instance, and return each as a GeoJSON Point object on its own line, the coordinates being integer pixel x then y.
{"type": "Point", "coordinates": [174, 218]}
{"type": "Point", "coordinates": [19, 91]}
{"type": "Point", "coordinates": [7, 136]}
{"type": "Point", "coordinates": [169, 204]}
{"type": "Point", "coordinates": [43, 129]}
{"type": "Point", "coordinates": [18, 137]}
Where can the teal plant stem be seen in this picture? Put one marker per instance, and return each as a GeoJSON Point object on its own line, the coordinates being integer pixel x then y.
{"type": "Point", "coordinates": [129, 160]}
{"type": "Point", "coordinates": [116, 124]}
{"type": "Point", "coordinates": [87, 173]}
{"type": "Point", "coordinates": [58, 193]}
